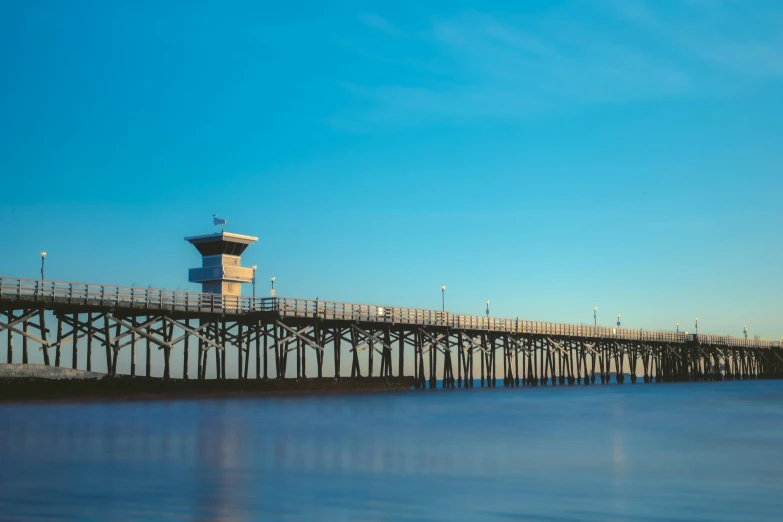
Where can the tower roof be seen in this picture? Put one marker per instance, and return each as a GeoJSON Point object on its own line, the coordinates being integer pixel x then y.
{"type": "Point", "coordinates": [221, 243]}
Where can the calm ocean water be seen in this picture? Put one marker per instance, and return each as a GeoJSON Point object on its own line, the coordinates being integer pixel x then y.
{"type": "Point", "coordinates": [666, 452]}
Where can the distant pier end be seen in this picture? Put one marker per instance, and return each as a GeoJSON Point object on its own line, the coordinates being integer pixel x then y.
{"type": "Point", "coordinates": [221, 270]}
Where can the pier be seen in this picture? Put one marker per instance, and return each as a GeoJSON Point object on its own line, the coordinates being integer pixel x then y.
{"type": "Point", "coordinates": [275, 337]}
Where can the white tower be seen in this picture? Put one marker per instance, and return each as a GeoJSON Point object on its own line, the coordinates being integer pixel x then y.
{"type": "Point", "coordinates": [221, 271]}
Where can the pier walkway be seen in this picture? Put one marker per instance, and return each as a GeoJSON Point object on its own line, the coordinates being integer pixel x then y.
{"type": "Point", "coordinates": [273, 332]}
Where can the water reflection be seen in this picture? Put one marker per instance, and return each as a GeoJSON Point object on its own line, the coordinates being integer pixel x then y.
{"type": "Point", "coordinates": [216, 458]}
{"type": "Point", "coordinates": [554, 454]}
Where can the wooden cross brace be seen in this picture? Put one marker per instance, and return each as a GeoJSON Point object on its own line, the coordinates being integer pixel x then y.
{"type": "Point", "coordinates": [474, 343]}
{"type": "Point", "coordinates": [142, 333]}
{"type": "Point", "coordinates": [82, 327]}
{"type": "Point", "coordinates": [366, 343]}
{"type": "Point", "coordinates": [362, 347]}
{"type": "Point", "coordinates": [167, 331]}
{"type": "Point", "coordinates": [406, 337]}
{"type": "Point", "coordinates": [24, 317]}
{"type": "Point", "coordinates": [374, 337]}
{"type": "Point", "coordinates": [249, 335]}
{"type": "Point", "coordinates": [329, 337]}
{"type": "Point", "coordinates": [195, 332]}
{"type": "Point", "coordinates": [557, 345]}
{"type": "Point", "coordinates": [23, 333]}
{"type": "Point", "coordinates": [127, 332]}
{"type": "Point", "coordinates": [245, 338]}
{"type": "Point", "coordinates": [72, 335]}
{"type": "Point", "coordinates": [517, 344]}
{"type": "Point", "coordinates": [301, 334]}
{"type": "Point", "coordinates": [672, 352]}
{"type": "Point", "coordinates": [590, 347]}
{"type": "Point", "coordinates": [21, 319]}
{"type": "Point", "coordinates": [435, 342]}
{"type": "Point", "coordinates": [291, 336]}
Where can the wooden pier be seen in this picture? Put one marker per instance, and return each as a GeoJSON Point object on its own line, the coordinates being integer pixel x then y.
{"type": "Point", "coordinates": [274, 338]}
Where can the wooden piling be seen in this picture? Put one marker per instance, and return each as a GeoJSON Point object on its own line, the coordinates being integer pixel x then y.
{"type": "Point", "coordinates": [240, 366]}
{"type": "Point", "coordinates": [185, 351]}
{"type": "Point", "coordinates": [26, 330]}
{"type": "Point", "coordinates": [10, 352]}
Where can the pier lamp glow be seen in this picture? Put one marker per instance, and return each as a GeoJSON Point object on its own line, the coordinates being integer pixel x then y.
{"type": "Point", "coordinates": [595, 316]}
{"type": "Point", "coordinates": [678, 327]}
{"type": "Point", "coordinates": [254, 267]}
{"type": "Point", "coordinates": [487, 302]}
{"type": "Point", "coordinates": [272, 279]}
{"type": "Point", "coordinates": [443, 298]}
{"type": "Point", "coordinates": [43, 259]}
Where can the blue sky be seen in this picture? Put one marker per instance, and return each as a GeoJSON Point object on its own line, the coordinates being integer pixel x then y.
{"type": "Point", "coordinates": [546, 155]}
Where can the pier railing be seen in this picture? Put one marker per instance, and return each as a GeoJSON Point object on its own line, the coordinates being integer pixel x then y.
{"type": "Point", "coordinates": [149, 298]}
{"type": "Point", "coordinates": [289, 307]}
{"type": "Point", "coordinates": [131, 297]}
{"type": "Point", "coordinates": [735, 342]}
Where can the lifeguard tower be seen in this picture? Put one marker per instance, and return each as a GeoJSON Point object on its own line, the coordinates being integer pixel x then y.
{"type": "Point", "coordinates": [221, 255]}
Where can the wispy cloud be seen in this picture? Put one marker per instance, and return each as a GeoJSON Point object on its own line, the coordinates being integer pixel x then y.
{"type": "Point", "coordinates": [484, 66]}
{"type": "Point", "coordinates": [741, 42]}
{"type": "Point", "coordinates": [379, 23]}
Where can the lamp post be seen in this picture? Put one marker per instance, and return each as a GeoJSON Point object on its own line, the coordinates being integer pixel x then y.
{"type": "Point", "coordinates": [443, 298]}
{"type": "Point", "coordinates": [487, 302]}
{"type": "Point", "coordinates": [618, 320]}
{"type": "Point", "coordinates": [697, 326]}
{"type": "Point", "coordinates": [678, 327]}
{"type": "Point", "coordinates": [745, 331]}
{"type": "Point", "coordinates": [254, 267]}
{"type": "Point", "coordinates": [272, 279]}
{"type": "Point", "coordinates": [43, 259]}
{"type": "Point", "coordinates": [595, 316]}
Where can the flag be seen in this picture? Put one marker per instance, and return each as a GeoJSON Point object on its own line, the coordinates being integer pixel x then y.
{"type": "Point", "coordinates": [217, 221]}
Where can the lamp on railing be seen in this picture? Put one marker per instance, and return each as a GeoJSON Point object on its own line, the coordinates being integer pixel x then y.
{"type": "Point", "coordinates": [697, 326]}
{"type": "Point", "coordinates": [745, 331]}
{"type": "Point", "coordinates": [254, 267]}
{"type": "Point", "coordinates": [443, 298]}
{"type": "Point", "coordinates": [678, 327]}
{"type": "Point", "coordinates": [487, 302]}
{"type": "Point", "coordinates": [43, 259]}
{"type": "Point", "coordinates": [595, 316]}
{"type": "Point", "coordinates": [618, 320]}
{"type": "Point", "coordinates": [272, 279]}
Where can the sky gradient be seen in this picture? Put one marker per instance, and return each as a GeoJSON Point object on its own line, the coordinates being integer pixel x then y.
{"type": "Point", "coordinates": [549, 156]}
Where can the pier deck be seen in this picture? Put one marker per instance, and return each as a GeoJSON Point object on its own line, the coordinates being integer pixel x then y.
{"type": "Point", "coordinates": [275, 331]}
